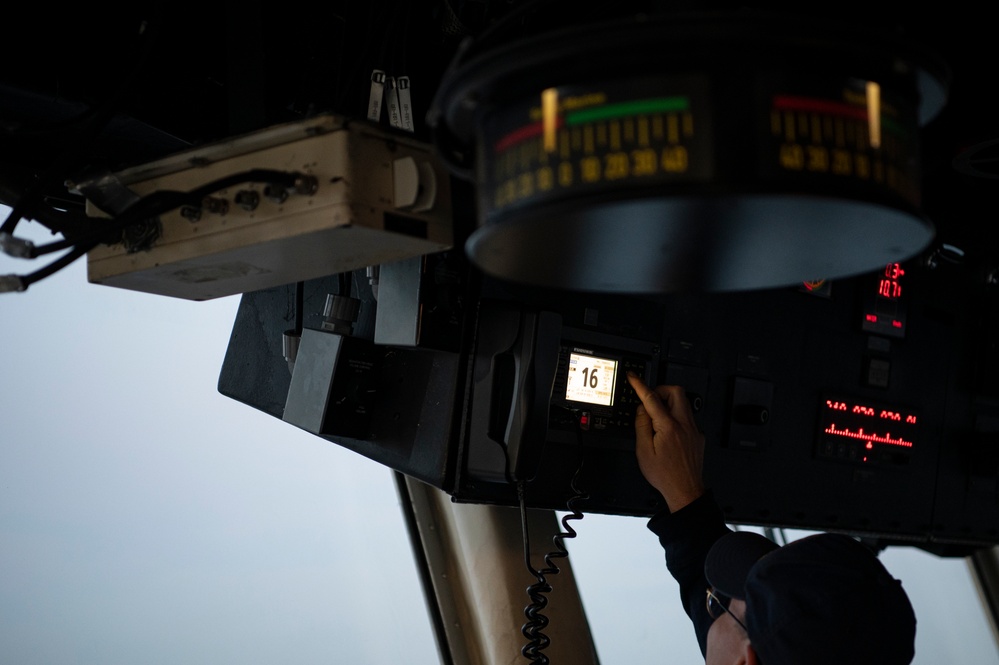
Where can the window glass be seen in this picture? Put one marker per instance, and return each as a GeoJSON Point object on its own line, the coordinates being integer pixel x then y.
{"type": "Point", "coordinates": [145, 518]}
{"type": "Point", "coordinates": [631, 601]}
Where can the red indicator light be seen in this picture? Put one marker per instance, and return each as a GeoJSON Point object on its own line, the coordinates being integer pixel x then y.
{"type": "Point", "coordinates": [897, 324]}
{"type": "Point", "coordinates": [872, 318]}
{"type": "Point", "coordinates": [584, 421]}
{"type": "Point", "coordinates": [869, 446]}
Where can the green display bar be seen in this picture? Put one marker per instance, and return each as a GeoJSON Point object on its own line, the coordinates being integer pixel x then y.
{"type": "Point", "coordinates": [628, 109]}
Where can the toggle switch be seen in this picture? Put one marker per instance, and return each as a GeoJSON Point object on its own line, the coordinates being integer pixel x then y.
{"type": "Point", "coordinates": [749, 425]}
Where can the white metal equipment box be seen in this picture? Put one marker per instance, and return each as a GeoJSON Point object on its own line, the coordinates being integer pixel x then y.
{"type": "Point", "coordinates": [377, 197]}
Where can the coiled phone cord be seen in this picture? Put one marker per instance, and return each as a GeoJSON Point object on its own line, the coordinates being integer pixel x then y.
{"type": "Point", "coordinates": [533, 630]}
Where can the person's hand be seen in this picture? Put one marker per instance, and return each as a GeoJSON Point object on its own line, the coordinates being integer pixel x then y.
{"type": "Point", "coordinates": [668, 445]}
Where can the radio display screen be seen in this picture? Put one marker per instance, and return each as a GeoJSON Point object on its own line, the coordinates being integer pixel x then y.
{"type": "Point", "coordinates": [591, 379]}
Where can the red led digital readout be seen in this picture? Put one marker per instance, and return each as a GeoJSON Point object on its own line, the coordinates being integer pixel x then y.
{"type": "Point", "coordinates": [889, 285]}
{"type": "Point", "coordinates": [884, 309]}
{"type": "Point", "coordinates": [869, 423]}
{"type": "Point", "coordinates": [871, 411]}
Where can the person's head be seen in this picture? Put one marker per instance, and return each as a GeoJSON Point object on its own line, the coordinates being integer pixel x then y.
{"type": "Point", "coordinates": [823, 599]}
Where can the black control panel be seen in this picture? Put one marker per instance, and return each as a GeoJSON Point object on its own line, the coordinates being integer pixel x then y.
{"type": "Point", "coordinates": [811, 417]}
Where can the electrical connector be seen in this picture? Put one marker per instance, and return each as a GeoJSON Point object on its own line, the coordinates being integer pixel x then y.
{"type": "Point", "coordinates": [17, 247]}
{"type": "Point", "coordinates": [11, 283]}
{"type": "Point", "coordinates": [340, 314]}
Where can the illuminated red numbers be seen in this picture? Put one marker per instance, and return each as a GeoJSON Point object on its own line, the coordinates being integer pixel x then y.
{"type": "Point", "coordinates": [889, 289]}
{"type": "Point", "coordinates": [871, 412]}
{"type": "Point", "coordinates": [889, 286]}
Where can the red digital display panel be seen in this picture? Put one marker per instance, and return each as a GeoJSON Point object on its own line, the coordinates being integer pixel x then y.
{"type": "Point", "coordinates": [865, 431]}
{"type": "Point", "coordinates": [890, 286]}
{"type": "Point", "coordinates": [884, 311]}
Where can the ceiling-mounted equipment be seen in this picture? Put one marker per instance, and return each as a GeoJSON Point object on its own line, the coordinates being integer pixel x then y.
{"type": "Point", "coordinates": [361, 196]}
{"type": "Point", "coordinates": [722, 151]}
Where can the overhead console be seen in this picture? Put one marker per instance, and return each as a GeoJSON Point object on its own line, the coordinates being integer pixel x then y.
{"type": "Point", "coordinates": [708, 218]}
{"type": "Point", "coordinates": [812, 420]}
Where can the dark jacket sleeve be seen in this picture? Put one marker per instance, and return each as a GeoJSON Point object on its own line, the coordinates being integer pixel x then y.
{"type": "Point", "coordinates": [686, 536]}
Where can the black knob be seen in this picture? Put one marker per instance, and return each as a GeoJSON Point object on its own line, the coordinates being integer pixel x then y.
{"type": "Point", "coordinates": [751, 414]}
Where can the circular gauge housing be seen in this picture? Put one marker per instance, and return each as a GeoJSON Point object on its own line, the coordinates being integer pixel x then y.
{"type": "Point", "coordinates": [720, 152]}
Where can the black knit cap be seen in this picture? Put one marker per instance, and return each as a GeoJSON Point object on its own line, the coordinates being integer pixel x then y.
{"type": "Point", "coordinates": [823, 599]}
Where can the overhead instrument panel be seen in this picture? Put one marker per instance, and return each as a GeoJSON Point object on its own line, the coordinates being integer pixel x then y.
{"type": "Point", "coordinates": [846, 130]}
{"type": "Point", "coordinates": [579, 140]}
{"type": "Point", "coordinates": [714, 152]}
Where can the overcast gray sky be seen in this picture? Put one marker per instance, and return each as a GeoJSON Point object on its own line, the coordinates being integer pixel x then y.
{"type": "Point", "coordinates": [144, 518]}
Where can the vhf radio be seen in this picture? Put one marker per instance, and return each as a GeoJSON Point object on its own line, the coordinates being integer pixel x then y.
{"type": "Point", "coordinates": [591, 391]}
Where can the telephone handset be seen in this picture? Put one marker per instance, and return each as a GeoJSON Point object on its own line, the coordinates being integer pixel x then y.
{"type": "Point", "coordinates": [515, 361]}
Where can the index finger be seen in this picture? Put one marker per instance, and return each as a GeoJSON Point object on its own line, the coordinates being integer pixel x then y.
{"type": "Point", "coordinates": [651, 400]}
{"type": "Point", "coordinates": [665, 401]}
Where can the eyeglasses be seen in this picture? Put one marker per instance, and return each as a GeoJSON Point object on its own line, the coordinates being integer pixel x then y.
{"type": "Point", "coordinates": [716, 607]}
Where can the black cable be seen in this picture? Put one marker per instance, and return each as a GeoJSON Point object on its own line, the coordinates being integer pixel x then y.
{"type": "Point", "coordinates": [150, 206]}
{"type": "Point", "coordinates": [55, 266]}
{"type": "Point", "coordinates": [537, 621]}
{"type": "Point", "coordinates": [55, 246]}
{"type": "Point", "coordinates": [165, 200]}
